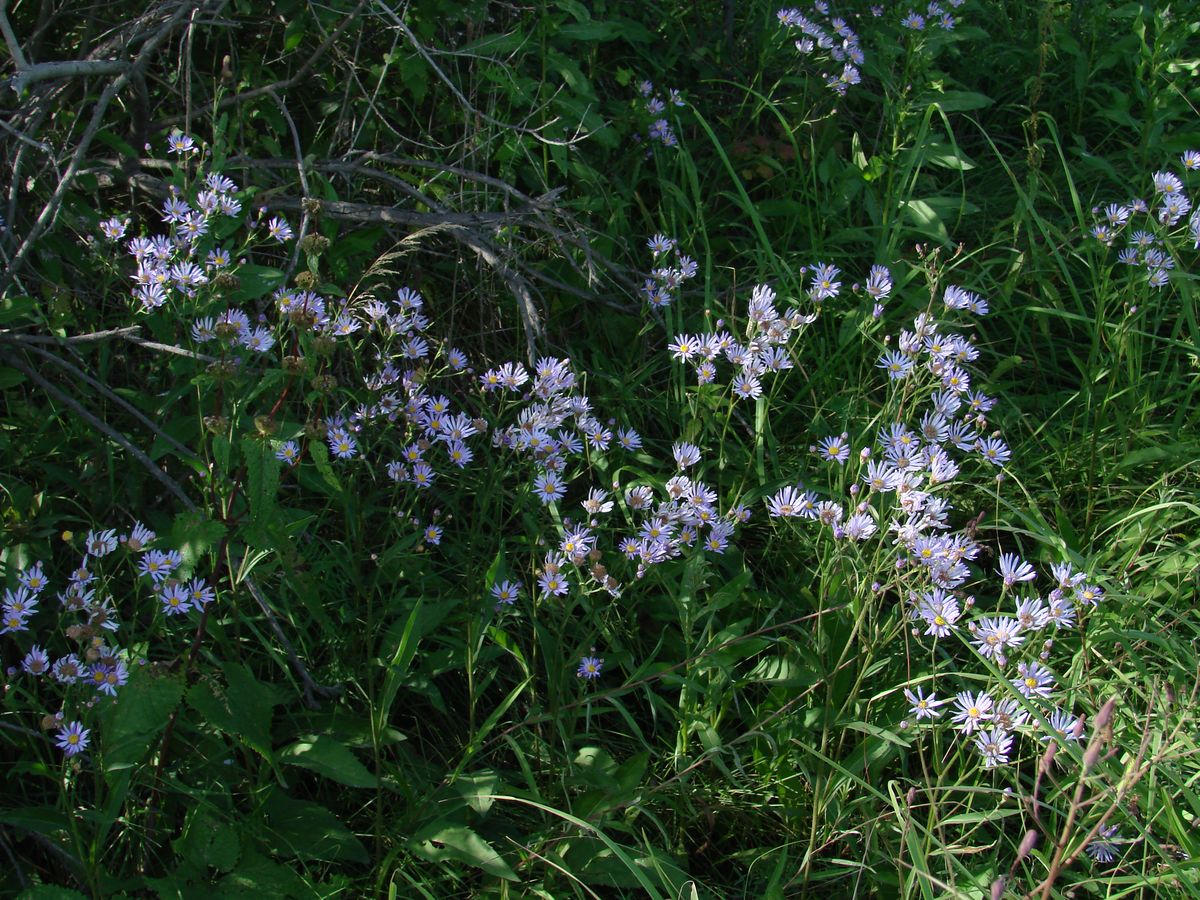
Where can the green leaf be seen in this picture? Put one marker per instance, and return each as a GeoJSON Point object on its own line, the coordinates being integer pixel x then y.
{"type": "Point", "coordinates": [50, 892]}
{"type": "Point", "coordinates": [440, 842]}
{"type": "Point", "coordinates": [304, 830]}
{"type": "Point", "coordinates": [961, 101]}
{"type": "Point", "coordinates": [209, 841]}
{"type": "Point", "coordinates": [262, 481]}
{"type": "Point", "coordinates": [131, 724]}
{"type": "Point", "coordinates": [243, 709]}
{"type": "Point", "coordinates": [320, 455]}
{"type": "Point", "coordinates": [326, 756]}
{"type": "Point", "coordinates": [257, 281]}
{"type": "Point", "coordinates": [195, 535]}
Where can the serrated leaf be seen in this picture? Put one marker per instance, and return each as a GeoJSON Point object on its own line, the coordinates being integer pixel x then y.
{"type": "Point", "coordinates": [257, 281]}
{"type": "Point", "coordinates": [440, 842]}
{"type": "Point", "coordinates": [326, 756]}
{"type": "Point", "coordinates": [129, 726]}
{"type": "Point", "coordinates": [303, 830]}
{"type": "Point", "coordinates": [262, 480]}
{"type": "Point", "coordinates": [244, 709]}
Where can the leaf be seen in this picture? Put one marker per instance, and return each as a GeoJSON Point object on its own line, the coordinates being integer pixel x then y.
{"type": "Point", "coordinates": [243, 709]}
{"type": "Point", "coordinates": [130, 725]}
{"type": "Point", "coordinates": [195, 535]}
{"type": "Point", "coordinates": [208, 841]}
{"type": "Point", "coordinates": [304, 830]}
{"type": "Point", "coordinates": [440, 842]}
{"type": "Point", "coordinates": [326, 756]}
{"type": "Point", "coordinates": [320, 455]}
{"type": "Point", "coordinates": [10, 378]}
{"type": "Point", "coordinates": [961, 101]}
{"type": "Point", "coordinates": [257, 281]}
{"type": "Point", "coordinates": [947, 156]}
{"type": "Point", "coordinates": [50, 892]}
{"type": "Point", "coordinates": [262, 482]}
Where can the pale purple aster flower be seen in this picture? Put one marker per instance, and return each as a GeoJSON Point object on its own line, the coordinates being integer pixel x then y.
{"type": "Point", "coordinates": [1104, 848]}
{"type": "Point", "coordinates": [685, 454]}
{"type": "Point", "coordinates": [972, 710]}
{"type": "Point", "coordinates": [279, 230]}
{"type": "Point", "coordinates": [589, 667]}
{"type": "Point", "coordinates": [175, 600]}
{"type": "Point", "coordinates": [549, 487]}
{"type": "Point", "coordinates": [36, 661]}
{"type": "Point", "coordinates": [178, 142]}
{"type": "Point", "coordinates": [922, 705]}
{"type": "Point", "coordinates": [994, 450]}
{"type": "Point", "coordinates": [994, 745]}
{"type": "Point", "coordinates": [506, 592]}
{"type": "Point", "coordinates": [1033, 680]}
{"type": "Point", "coordinates": [834, 448]}
{"type": "Point", "coordinates": [1013, 569]}
{"type": "Point", "coordinates": [73, 739]}
{"type": "Point", "coordinates": [288, 452]}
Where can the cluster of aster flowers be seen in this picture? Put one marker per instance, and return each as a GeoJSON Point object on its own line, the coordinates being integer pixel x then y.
{"type": "Point", "coordinates": [671, 269]}
{"type": "Point", "coordinates": [1153, 229]}
{"type": "Point", "coordinates": [828, 41]}
{"type": "Point", "coordinates": [935, 16]}
{"type": "Point", "coordinates": [656, 106]}
{"type": "Point", "coordinates": [763, 348]}
{"type": "Point", "coordinates": [89, 618]}
{"type": "Point", "coordinates": [902, 495]}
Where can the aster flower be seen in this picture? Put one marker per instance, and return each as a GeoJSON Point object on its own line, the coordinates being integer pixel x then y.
{"type": "Point", "coordinates": [73, 739]}
{"type": "Point", "coordinates": [1013, 569]}
{"type": "Point", "coordinates": [549, 487]}
{"type": "Point", "coordinates": [33, 578]}
{"type": "Point", "coordinates": [924, 706]}
{"type": "Point", "coordinates": [67, 669]}
{"type": "Point", "coordinates": [279, 230]}
{"type": "Point", "coordinates": [506, 592]}
{"type": "Point", "coordinates": [898, 365]}
{"type": "Point", "coordinates": [432, 535]}
{"type": "Point", "coordinates": [660, 244]}
{"type": "Point", "coordinates": [1033, 680]}
{"type": "Point", "coordinates": [589, 667]}
{"type": "Point", "coordinates": [175, 600]}
{"type": "Point", "coordinates": [288, 452]}
{"type": "Point", "coordinates": [342, 444]}
{"type": "Point", "coordinates": [994, 635]}
{"type": "Point", "coordinates": [100, 543]}
{"type": "Point", "coordinates": [553, 584]}
{"type": "Point", "coordinates": [786, 502]}
{"type": "Point", "coordinates": [834, 448]}
{"type": "Point", "coordinates": [993, 450]}
{"type": "Point", "coordinates": [36, 661]}
{"type": "Point", "coordinates": [200, 593]}
{"type": "Point", "coordinates": [685, 454]}
{"type": "Point", "coordinates": [139, 537]}
{"type": "Point", "coordinates": [972, 710]}
{"type": "Point", "coordinates": [1104, 848]}
{"type": "Point", "coordinates": [994, 746]}
{"type": "Point", "coordinates": [178, 142]}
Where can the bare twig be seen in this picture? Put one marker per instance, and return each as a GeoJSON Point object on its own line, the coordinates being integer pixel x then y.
{"type": "Point", "coordinates": [112, 395]}
{"type": "Point", "coordinates": [535, 133]}
{"type": "Point", "coordinates": [303, 183]}
{"type": "Point", "coordinates": [14, 46]}
{"type": "Point", "coordinates": [72, 68]}
{"type": "Point", "coordinates": [50, 210]}
{"type": "Point", "coordinates": [311, 688]}
{"type": "Point", "coordinates": [99, 425]}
